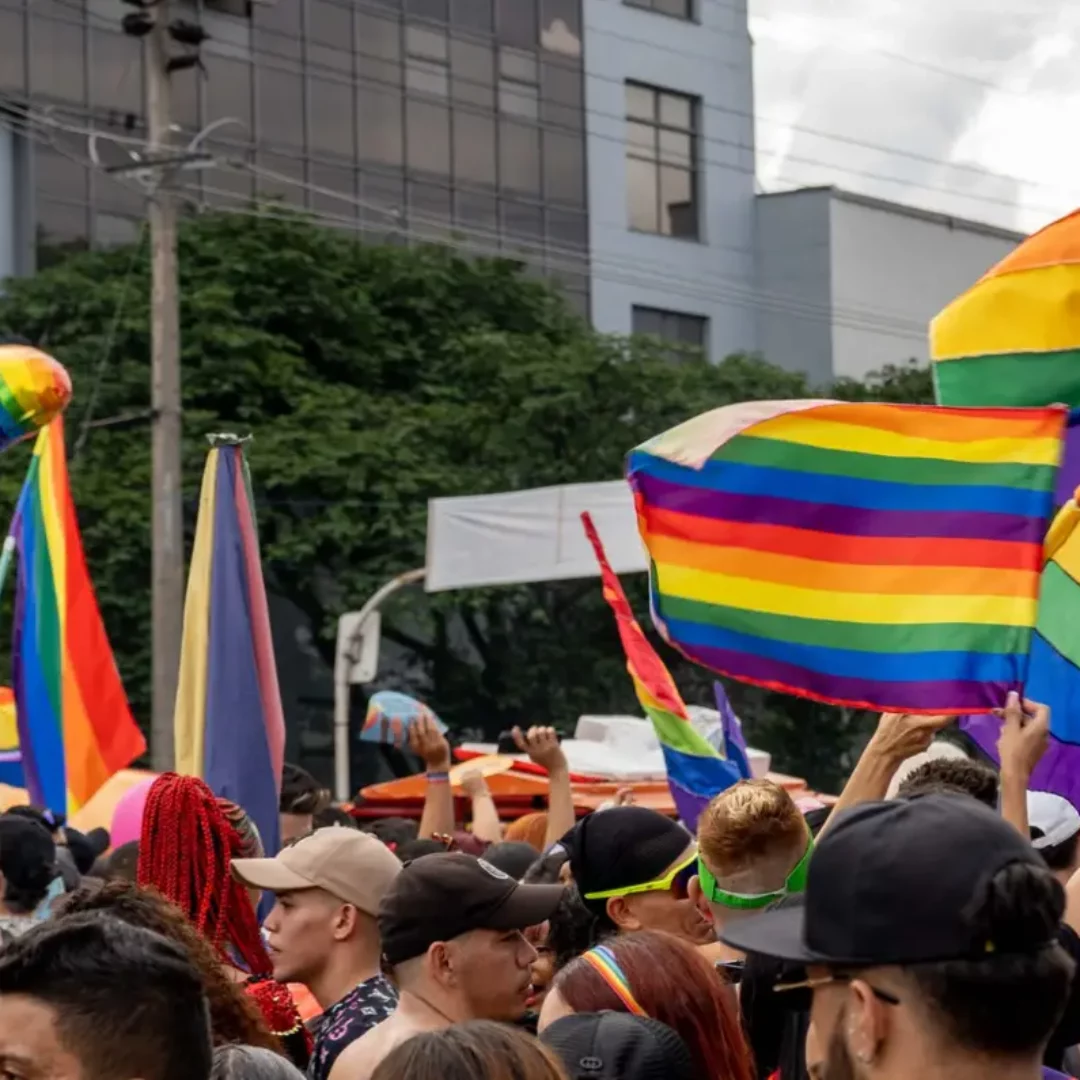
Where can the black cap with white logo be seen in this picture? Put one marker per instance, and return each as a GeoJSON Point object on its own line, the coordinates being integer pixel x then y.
{"type": "Point", "coordinates": [442, 896]}
{"type": "Point", "coordinates": [617, 1046]}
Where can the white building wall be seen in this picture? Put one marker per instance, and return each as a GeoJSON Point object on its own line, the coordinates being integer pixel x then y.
{"type": "Point", "coordinates": [710, 59]}
{"type": "Point", "coordinates": [893, 270]}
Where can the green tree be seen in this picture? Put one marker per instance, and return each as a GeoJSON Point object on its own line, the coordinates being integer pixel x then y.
{"type": "Point", "coordinates": [373, 379]}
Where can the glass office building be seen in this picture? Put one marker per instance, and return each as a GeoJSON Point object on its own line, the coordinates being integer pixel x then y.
{"type": "Point", "coordinates": [459, 120]}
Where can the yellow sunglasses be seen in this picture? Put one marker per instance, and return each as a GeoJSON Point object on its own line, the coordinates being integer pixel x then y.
{"type": "Point", "coordinates": [677, 879]}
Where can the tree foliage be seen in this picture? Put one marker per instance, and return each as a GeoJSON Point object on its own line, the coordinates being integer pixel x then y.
{"type": "Point", "coordinates": [373, 379]}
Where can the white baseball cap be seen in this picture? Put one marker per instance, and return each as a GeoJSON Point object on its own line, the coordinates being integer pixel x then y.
{"type": "Point", "coordinates": [1054, 816]}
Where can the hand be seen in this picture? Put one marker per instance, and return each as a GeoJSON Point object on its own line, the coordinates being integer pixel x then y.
{"type": "Point", "coordinates": [429, 744]}
{"type": "Point", "coordinates": [1025, 735]}
{"type": "Point", "coordinates": [542, 746]}
{"type": "Point", "coordinates": [473, 783]}
{"type": "Point", "coordinates": [903, 735]}
{"type": "Point", "coordinates": [624, 797]}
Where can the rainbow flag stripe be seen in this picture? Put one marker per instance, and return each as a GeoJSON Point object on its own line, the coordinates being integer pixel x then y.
{"type": "Point", "coordinates": [1014, 337]}
{"type": "Point", "coordinates": [695, 769]}
{"type": "Point", "coordinates": [34, 389]}
{"type": "Point", "coordinates": [868, 555]}
{"type": "Point", "coordinates": [75, 726]}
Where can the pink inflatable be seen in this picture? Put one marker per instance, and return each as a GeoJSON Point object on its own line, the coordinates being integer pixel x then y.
{"type": "Point", "coordinates": [128, 815]}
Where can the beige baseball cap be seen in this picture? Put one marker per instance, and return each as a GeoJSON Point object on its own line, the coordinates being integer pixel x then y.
{"type": "Point", "coordinates": [349, 864]}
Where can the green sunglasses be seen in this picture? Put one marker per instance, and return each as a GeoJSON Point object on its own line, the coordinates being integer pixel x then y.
{"type": "Point", "coordinates": [794, 883]}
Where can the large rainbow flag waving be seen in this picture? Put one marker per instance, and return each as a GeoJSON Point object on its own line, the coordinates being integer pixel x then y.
{"type": "Point", "coordinates": [871, 555]}
{"type": "Point", "coordinates": [74, 723]}
{"type": "Point", "coordinates": [229, 725]}
{"type": "Point", "coordinates": [695, 770]}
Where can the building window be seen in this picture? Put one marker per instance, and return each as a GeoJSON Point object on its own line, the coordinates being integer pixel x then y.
{"type": "Point", "coordinates": [519, 84]}
{"type": "Point", "coordinates": [678, 9]}
{"type": "Point", "coordinates": [661, 161]}
{"type": "Point", "coordinates": [427, 64]}
{"type": "Point", "coordinates": [672, 326]}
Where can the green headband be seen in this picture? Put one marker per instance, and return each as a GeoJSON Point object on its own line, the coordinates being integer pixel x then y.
{"type": "Point", "coordinates": [794, 883]}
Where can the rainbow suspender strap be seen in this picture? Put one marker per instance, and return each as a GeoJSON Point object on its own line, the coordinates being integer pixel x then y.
{"type": "Point", "coordinates": [602, 959]}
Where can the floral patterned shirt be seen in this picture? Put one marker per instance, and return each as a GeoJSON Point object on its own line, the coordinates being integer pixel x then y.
{"type": "Point", "coordinates": [366, 1005]}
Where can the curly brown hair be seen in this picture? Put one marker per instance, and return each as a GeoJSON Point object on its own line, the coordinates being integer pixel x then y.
{"type": "Point", "coordinates": [234, 1017]}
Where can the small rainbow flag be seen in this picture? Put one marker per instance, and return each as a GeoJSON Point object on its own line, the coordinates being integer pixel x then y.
{"type": "Point", "coordinates": [34, 390]}
{"type": "Point", "coordinates": [229, 725]}
{"type": "Point", "coordinates": [695, 770]}
{"type": "Point", "coordinates": [75, 726]}
{"type": "Point", "coordinates": [869, 555]}
{"type": "Point", "coordinates": [1014, 337]}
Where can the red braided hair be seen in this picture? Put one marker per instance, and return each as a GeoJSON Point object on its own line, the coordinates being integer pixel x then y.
{"type": "Point", "coordinates": [186, 852]}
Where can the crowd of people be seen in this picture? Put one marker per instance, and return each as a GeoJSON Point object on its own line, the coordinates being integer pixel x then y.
{"type": "Point", "coordinates": [926, 925]}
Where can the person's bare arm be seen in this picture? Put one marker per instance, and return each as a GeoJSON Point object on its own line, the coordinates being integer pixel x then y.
{"type": "Point", "coordinates": [898, 737]}
{"type": "Point", "coordinates": [1025, 735]}
{"type": "Point", "coordinates": [485, 815]}
{"type": "Point", "coordinates": [428, 743]}
{"type": "Point", "coordinates": [542, 746]}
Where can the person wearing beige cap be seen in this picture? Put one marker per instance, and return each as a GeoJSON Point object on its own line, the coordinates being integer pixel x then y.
{"type": "Point", "coordinates": [322, 931]}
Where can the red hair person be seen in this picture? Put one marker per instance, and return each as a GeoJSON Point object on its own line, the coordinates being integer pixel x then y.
{"type": "Point", "coordinates": [650, 973]}
{"type": "Point", "coordinates": [189, 839]}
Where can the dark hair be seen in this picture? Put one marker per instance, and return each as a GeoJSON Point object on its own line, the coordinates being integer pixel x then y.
{"type": "Point", "coordinates": [415, 849]}
{"type": "Point", "coordinates": [46, 818]}
{"type": "Point", "coordinates": [1009, 1003]}
{"type": "Point", "coordinates": [953, 776]}
{"type": "Point", "coordinates": [511, 857]}
{"type": "Point", "coordinates": [333, 815]}
{"type": "Point", "coordinates": [1058, 856]}
{"type": "Point", "coordinates": [480, 1050]}
{"type": "Point", "coordinates": [127, 1002]}
{"type": "Point", "coordinates": [27, 861]}
{"type": "Point", "coordinates": [572, 928]}
{"type": "Point", "coordinates": [234, 1017]}
{"type": "Point", "coordinates": [252, 1063]}
{"type": "Point", "coordinates": [547, 870]}
{"type": "Point", "coordinates": [123, 863]}
{"type": "Point", "coordinates": [675, 984]}
{"type": "Point", "coordinates": [393, 831]}
{"type": "Point", "coordinates": [301, 793]}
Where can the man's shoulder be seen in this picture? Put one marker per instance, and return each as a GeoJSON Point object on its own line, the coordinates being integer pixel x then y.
{"type": "Point", "coordinates": [358, 1060]}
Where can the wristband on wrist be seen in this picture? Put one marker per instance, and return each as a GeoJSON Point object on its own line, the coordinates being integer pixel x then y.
{"type": "Point", "coordinates": [438, 777]}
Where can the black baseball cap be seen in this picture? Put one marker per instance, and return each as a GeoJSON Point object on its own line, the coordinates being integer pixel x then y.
{"type": "Point", "coordinates": [442, 896]}
{"type": "Point", "coordinates": [618, 1046]}
{"type": "Point", "coordinates": [893, 883]}
{"type": "Point", "coordinates": [623, 846]}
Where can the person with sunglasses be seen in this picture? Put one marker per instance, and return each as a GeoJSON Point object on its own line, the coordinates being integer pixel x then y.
{"type": "Point", "coordinates": [754, 848]}
{"type": "Point", "coordinates": [633, 867]}
{"type": "Point", "coordinates": [928, 938]}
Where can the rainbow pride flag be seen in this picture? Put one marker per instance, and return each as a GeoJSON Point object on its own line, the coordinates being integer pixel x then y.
{"type": "Point", "coordinates": [695, 770]}
{"type": "Point", "coordinates": [869, 555]}
{"type": "Point", "coordinates": [229, 725]}
{"type": "Point", "coordinates": [74, 723]}
{"type": "Point", "coordinates": [1014, 337]}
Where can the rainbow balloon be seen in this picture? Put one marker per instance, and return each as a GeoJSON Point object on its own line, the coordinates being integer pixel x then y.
{"type": "Point", "coordinates": [34, 389]}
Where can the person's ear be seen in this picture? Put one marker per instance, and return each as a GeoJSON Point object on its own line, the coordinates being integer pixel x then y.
{"type": "Point", "coordinates": [440, 961]}
{"type": "Point", "coordinates": [866, 1020]}
{"type": "Point", "coordinates": [344, 923]}
{"type": "Point", "coordinates": [621, 912]}
{"type": "Point", "coordinates": [697, 898]}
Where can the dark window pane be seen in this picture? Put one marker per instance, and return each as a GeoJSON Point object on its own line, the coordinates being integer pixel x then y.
{"type": "Point", "coordinates": [382, 203]}
{"type": "Point", "coordinates": [474, 148]}
{"type": "Point", "coordinates": [281, 107]}
{"type": "Point", "coordinates": [648, 321]}
{"type": "Point", "coordinates": [62, 230]}
{"type": "Point", "coordinates": [111, 230]}
{"type": "Point", "coordinates": [429, 211]}
{"type": "Point", "coordinates": [673, 326]}
{"type": "Point", "coordinates": [472, 14]}
{"type": "Point", "coordinates": [185, 101]}
{"type": "Point", "coordinates": [115, 71]}
{"type": "Point", "coordinates": [57, 63]}
{"type": "Point", "coordinates": [428, 9]}
{"type": "Point", "coordinates": [564, 168]}
{"type": "Point", "coordinates": [281, 178]}
{"type": "Point", "coordinates": [560, 26]}
{"type": "Point", "coordinates": [428, 129]}
{"type": "Point", "coordinates": [517, 23]}
{"type": "Point", "coordinates": [330, 28]}
{"type": "Point", "coordinates": [59, 177]}
{"type": "Point", "coordinates": [332, 126]}
{"type": "Point", "coordinates": [233, 188]}
{"type": "Point", "coordinates": [378, 49]}
{"type": "Point", "coordinates": [676, 111]}
{"type": "Point", "coordinates": [228, 89]}
{"type": "Point", "coordinates": [641, 194]}
{"type": "Point", "coordinates": [380, 126]}
{"type": "Point", "coordinates": [277, 29]}
{"type": "Point", "coordinates": [681, 9]}
{"type": "Point", "coordinates": [516, 99]}
{"type": "Point", "coordinates": [333, 192]}
{"type": "Point", "coordinates": [473, 211]}
{"type": "Point", "coordinates": [523, 229]}
{"type": "Point", "coordinates": [640, 102]}
{"type": "Point", "coordinates": [519, 157]}
{"type": "Point", "coordinates": [12, 56]}
{"type": "Point", "coordinates": [428, 44]}
{"type": "Point", "coordinates": [567, 230]}
{"type": "Point", "coordinates": [473, 68]}
{"type": "Point", "coordinates": [677, 202]}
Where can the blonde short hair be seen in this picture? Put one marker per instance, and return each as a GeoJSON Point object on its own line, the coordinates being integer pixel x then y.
{"type": "Point", "coordinates": [754, 821]}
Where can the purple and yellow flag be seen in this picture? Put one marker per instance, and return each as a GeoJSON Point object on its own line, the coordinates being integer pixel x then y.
{"type": "Point", "coordinates": [695, 770]}
{"type": "Point", "coordinates": [229, 724]}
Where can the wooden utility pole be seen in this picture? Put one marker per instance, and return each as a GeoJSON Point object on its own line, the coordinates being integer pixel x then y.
{"type": "Point", "coordinates": [168, 523]}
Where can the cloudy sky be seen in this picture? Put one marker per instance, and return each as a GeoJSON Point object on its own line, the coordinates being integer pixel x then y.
{"type": "Point", "coordinates": [971, 107]}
